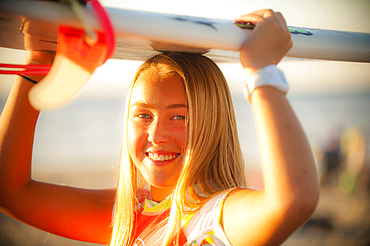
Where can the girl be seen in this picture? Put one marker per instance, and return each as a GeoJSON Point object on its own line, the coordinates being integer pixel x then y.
{"type": "Point", "coordinates": [180, 140]}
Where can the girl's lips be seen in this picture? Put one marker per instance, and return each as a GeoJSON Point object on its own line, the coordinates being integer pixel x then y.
{"type": "Point", "coordinates": [161, 157]}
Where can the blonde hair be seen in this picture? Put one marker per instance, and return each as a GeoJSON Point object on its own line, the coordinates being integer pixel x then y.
{"type": "Point", "coordinates": [213, 160]}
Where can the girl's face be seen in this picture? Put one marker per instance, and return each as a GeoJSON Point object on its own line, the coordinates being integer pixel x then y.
{"type": "Point", "coordinates": [157, 128]}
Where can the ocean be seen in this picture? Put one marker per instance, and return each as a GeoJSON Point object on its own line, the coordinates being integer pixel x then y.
{"type": "Point", "coordinates": [86, 135]}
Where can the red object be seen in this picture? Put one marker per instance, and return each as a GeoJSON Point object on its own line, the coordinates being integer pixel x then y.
{"type": "Point", "coordinates": [29, 69]}
{"type": "Point", "coordinates": [71, 44]}
{"type": "Point", "coordinates": [77, 49]}
{"type": "Point", "coordinates": [107, 27]}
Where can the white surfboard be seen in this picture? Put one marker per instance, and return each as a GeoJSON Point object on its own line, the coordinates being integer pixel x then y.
{"type": "Point", "coordinates": [140, 34]}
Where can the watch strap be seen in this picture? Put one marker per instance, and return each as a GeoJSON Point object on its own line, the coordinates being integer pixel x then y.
{"type": "Point", "coordinates": [268, 76]}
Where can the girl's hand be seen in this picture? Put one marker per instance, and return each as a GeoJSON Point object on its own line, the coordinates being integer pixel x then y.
{"type": "Point", "coordinates": [39, 50]}
{"type": "Point", "coordinates": [269, 41]}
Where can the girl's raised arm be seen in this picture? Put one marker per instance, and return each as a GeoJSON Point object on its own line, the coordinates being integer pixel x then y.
{"type": "Point", "coordinates": [290, 192]}
{"type": "Point", "coordinates": [66, 211]}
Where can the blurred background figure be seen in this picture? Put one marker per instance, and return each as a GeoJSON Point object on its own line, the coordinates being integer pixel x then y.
{"type": "Point", "coordinates": [332, 158]}
{"type": "Point", "coordinates": [355, 176]}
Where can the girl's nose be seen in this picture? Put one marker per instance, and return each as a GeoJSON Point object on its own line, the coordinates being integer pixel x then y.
{"type": "Point", "coordinates": [158, 132]}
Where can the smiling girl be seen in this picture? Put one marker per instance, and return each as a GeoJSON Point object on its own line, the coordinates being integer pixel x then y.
{"type": "Point", "coordinates": [180, 141]}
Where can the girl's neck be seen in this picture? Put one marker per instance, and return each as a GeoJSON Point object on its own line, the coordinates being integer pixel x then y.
{"type": "Point", "coordinates": [159, 194]}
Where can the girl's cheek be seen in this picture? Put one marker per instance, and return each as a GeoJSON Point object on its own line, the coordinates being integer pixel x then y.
{"type": "Point", "coordinates": [131, 141]}
{"type": "Point", "coordinates": [180, 135]}
{"type": "Point", "coordinates": [135, 133]}
{"type": "Point", "coordinates": [136, 140]}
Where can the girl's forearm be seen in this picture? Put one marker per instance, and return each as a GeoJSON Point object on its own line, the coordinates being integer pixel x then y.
{"type": "Point", "coordinates": [17, 128]}
{"type": "Point", "coordinates": [287, 162]}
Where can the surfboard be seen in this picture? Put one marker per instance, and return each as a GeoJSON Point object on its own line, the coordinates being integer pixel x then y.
{"type": "Point", "coordinates": [140, 34]}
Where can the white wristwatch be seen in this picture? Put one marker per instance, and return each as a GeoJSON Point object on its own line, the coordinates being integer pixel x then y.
{"type": "Point", "coordinates": [267, 76]}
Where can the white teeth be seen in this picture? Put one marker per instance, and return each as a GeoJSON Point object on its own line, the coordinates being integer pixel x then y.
{"type": "Point", "coordinates": [157, 157]}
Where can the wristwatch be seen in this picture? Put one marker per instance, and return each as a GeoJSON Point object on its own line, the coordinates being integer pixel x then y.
{"type": "Point", "coordinates": [268, 76]}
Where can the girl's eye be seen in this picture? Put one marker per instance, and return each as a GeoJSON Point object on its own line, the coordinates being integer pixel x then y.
{"type": "Point", "coordinates": [144, 116]}
{"type": "Point", "coordinates": [179, 117]}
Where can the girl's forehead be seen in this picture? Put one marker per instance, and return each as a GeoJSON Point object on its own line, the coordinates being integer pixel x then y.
{"type": "Point", "coordinates": [153, 74]}
{"type": "Point", "coordinates": [156, 87]}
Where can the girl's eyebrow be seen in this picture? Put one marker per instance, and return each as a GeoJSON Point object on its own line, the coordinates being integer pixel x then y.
{"type": "Point", "coordinates": [171, 106]}
{"type": "Point", "coordinates": [140, 104]}
{"type": "Point", "coordinates": [178, 105]}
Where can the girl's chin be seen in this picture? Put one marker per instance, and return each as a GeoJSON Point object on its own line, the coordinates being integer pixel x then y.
{"type": "Point", "coordinates": [161, 181]}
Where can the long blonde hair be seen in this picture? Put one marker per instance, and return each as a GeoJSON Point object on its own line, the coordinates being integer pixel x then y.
{"type": "Point", "coordinates": [213, 160]}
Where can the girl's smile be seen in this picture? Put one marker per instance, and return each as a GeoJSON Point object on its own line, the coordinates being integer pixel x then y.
{"type": "Point", "coordinates": [161, 157]}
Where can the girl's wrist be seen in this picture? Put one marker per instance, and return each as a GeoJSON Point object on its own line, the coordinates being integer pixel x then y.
{"type": "Point", "coordinates": [269, 76]}
{"type": "Point", "coordinates": [39, 58]}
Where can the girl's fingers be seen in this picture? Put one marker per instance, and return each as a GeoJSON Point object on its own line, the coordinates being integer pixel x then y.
{"type": "Point", "coordinates": [264, 13]}
{"type": "Point", "coordinates": [281, 18]}
{"type": "Point", "coordinates": [250, 18]}
{"type": "Point", "coordinates": [261, 15]}
{"type": "Point", "coordinates": [268, 42]}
